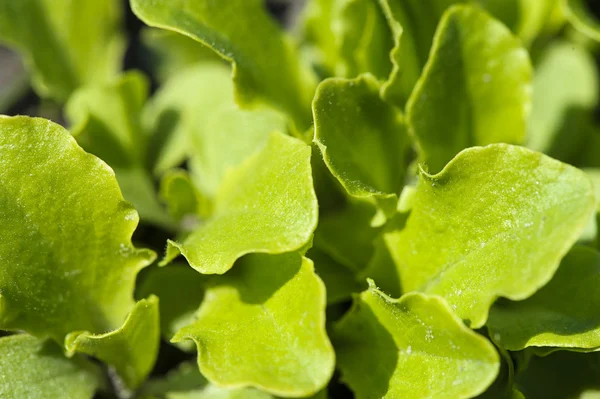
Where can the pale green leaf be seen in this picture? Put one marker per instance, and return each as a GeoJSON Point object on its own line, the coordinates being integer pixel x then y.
{"type": "Point", "coordinates": [582, 18]}
{"type": "Point", "coordinates": [534, 16]}
{"type": "Point", "coordinates": [106, 121]}
{"type": "Point", "coordinates": [180, 108]}
{"type": "Point", "coordinates": [66, 258]}
{"type": "Point", "coordinates": [363, 38]}
{"type": "Point", "coordinates": [268, 304]}
{"type": "Point", "coordinates": [267, 204]}
{"type": "Point", "coordinates": [562, 375]}
{"type": "Point", "coordinates": [561, 314]}
{"type": "Point", "coordinates": [565, 85]}
{"type": "Point", "coordinates": [32, 369]}
{"type": "Point", "coordinates": [362, 139]}
{"type": "Point", "coordinates": [413, 347]}
{"type": "Point", "coordinates": [266, 66]}
{"type": "Point", "coordinates": [495, 222]}
{"type": "Point", "coordinates": [591, 229]}
{"type": "Point", "coordinates": [413, 24]}
{"type": "Point", "coordinates": [180, 290]}
{"type": "Point", "coordinates": [131, 350]}
{"type": "Point", "coordinates": [225, 138]}
{"type": "Point", "coordinates": [475, 88]}
{"type": "Point", "coordinates": [346, 38]}
{"type": "Point", "coordinates": [318, 39]}
{"type": "Point", "coordinates": [63, 43]}
{"type": "Point", "coordinates": [206, 127]}
{"type": "Point", "coordinates": [171, 52]}
{"type": "Point", "coordinates": [184, 202]}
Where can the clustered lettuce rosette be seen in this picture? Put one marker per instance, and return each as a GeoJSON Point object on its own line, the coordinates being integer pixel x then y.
{"type": "Point", "coordinates": [392, 199]}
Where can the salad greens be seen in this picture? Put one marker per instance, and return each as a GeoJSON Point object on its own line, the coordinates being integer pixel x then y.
{"type": "Point", "coordinates": [384, 199]}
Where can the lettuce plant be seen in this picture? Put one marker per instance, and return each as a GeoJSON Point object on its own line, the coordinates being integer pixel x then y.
{"type": "Point", "coordinates": [388, 199]}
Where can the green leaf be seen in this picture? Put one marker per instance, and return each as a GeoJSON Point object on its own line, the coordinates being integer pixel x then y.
{"type": "Point", "coordinates": [228, 137]}
{"type": "Point", "coordinates": [183, 201]}
{"type": "Point", "coordinates": [273, 305]}
{"type": "Point", "coordinates": [534, 16]}
{"type": "Point", "coordinates": [105, 119]}
{"type": "Point", "coordinates": [362, 139]}
{"type": "Point", "coordinates": [472, 92]}
{"type": "Point", "coordinates": [495, 222]}
{"type": "Point", "coordinates": [562, 375]}
{"type": "Point", "coordinates": [561, 314]}
{"type": "Point", "coordinates": [63, 43]}
{"type": "Point", "coordinates": [267, 204]}
{"type": "Point", "coordinates": [582, 18]}
{"type": "Point", "coordinates": [32, 368]}
{"type": "Point", "coordinates": [266, 67]}
{"type": "Point", "coordinates": [186, 377]}
{"type": "Point", "coordinates": [382, 269]}
{"type": "Point", "coordinates": [180, 290]}
{"type": "Point", "coordinates": [413, 347]}
{"type": "Point", "coordinates": [180, 107]}
{"type": "Point", "coordinates": [565, 85]}
{"type": "Point", "coordinates": [413, 24]}
{"type": "Point", "coordinates": [591, 229]}
{"type": "Point", "coordinates": [106, 122]}
{"type": "Point", "coordinates": [67, 262]}
{"type": "Point", "coordinates": [363, 38]}
{"type": "Point", "coordinates": [186, 382]}
{"type": "Point", "coordinates": [347, 37]}
{"type": "Point", "coordinates": [172, 52]}
{"type": "Point", "coordinates": [346, 234]}
{"type": "Point", "coordinates": [131, 350]}
{"type": "Point", "coordinates": [341, 282]}
{"type": "Point", "coordinates": [316, 32]}
{"type": "Point", "coordinates": [526, 18]}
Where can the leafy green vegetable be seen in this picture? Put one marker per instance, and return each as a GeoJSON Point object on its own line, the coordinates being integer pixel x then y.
{"type": "Point", "coordinates": [66, 258]}
{"type": "Point", "coordinates": [297, 159]}
{"type": "Point", "coordinates": [258, 75]}
{"type": "Point", "coordinates": [413, 25]}
{"type": "Point", "coordinates": [347, 236]}
{"type": "Point", "coordinates": [132, 349]}
{"type": "Point", "coordinates": [106, 122]}
{"type": "Point", "coordinates": [550, 319]}
{"type": "Point", "coordinates": [33, 368]}
{"type": "Point", "coordinates": [182, 199]}
{"type": "Point", "coordinates": [228, 138]}
{"type": "Point", "coordinates": [347, 37]}
{"type": "Point", "coordinates": [478, 64]}
{"type": "Point", "coordinates": [180, 290]}
{"type": "Point", "coordinates": [582, 18]}
{"type": "Point", "coordinates": [561, 375]}
{"type": "Point", "coordinates": [362, 139]}
{"type": "Point", "coordinates": [413, 347]}
{"type": "Point", "coordinates": [565, 86]}
{"type": "Point", "coordinates": [266, 205]}
{"type": "Point", "coordinates": [340, 280]}
{"type": "Point", "coordinates": [273, 305]}
{"type": "Point", "coordinates": [180, 108]}
{"type": "Point", "coordinates": [172, 52]}
{"type": "Point", "coordinates": [62, 43]}
{"type": "Point", "coordinates": [525, 210]}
